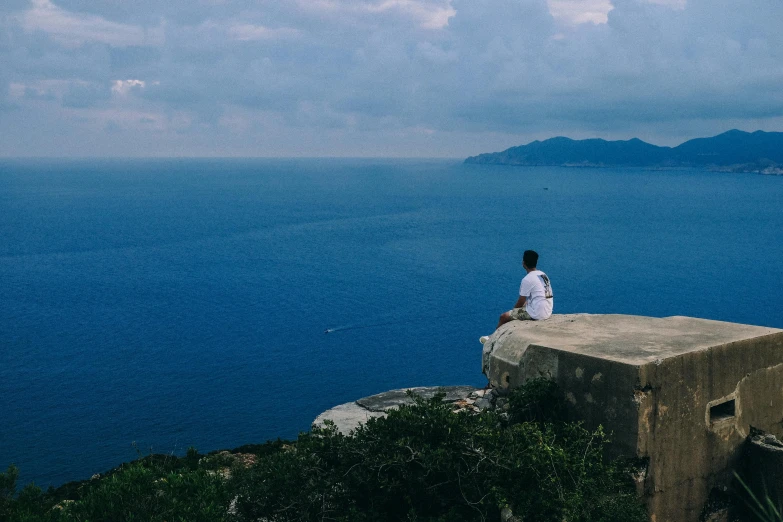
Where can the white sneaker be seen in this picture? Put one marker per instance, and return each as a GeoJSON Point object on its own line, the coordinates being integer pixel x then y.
{"type": "Point", "coordinates": [483, 339]}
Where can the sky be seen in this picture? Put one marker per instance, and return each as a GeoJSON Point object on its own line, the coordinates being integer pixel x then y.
{"type": "Point", "coordinates": [379, 78]}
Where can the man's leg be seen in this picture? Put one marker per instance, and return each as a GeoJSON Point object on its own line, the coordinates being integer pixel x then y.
{"type": "Point", "coordinates": [504, 318]}
{"type": "Point", "coordinates": [515, 314]}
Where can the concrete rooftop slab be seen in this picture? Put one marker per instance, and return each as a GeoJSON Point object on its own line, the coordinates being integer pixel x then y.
{"type": "Point", "coordinates": [629, 339]}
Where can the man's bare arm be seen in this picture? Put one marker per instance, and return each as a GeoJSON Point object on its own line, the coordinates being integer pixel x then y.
{"type": "Point", "coordinates": [520, 301]}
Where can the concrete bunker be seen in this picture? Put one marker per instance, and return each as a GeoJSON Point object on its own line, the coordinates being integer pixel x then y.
{"type": "Point", "coordinates": [681, 392]}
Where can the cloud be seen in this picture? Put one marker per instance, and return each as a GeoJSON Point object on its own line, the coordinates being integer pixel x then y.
{"type": "Point", "coordinates": [16, 90]}
{"type": "Point", "coordinates": [66, 93]}
{"type": "Point", "coordinates": [134, 58]}
{"type": "Point", "coordinates": [250, 32]}
{"type": "Point", "coordinates": [43, 89]}
{"type": "Point", "coordinates": [230, 74]}
{"type": "Point", "coordinates": [119, 119]}
{"type": "Point", "coordinates": [674, 4]}
{"type": "Point", "coordinates": [432, 14]}
{"type": "Point", "coordinates": [575, 12]}
{"type": "Point", "coordinates": [74, 29]}
{"type": "Point", "coordinates": [124, 87]}
{"type": "Point", "coordinates": [83, 95]}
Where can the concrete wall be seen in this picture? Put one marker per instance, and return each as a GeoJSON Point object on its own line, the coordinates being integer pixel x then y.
{"type": "Point", "coordinates": [663, 387]}
{"type": "Point", "coordinates": [690, 450]}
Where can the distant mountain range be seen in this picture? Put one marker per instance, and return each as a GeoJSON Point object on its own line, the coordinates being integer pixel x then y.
{"type": "Point", "coordinates": [732, 151]}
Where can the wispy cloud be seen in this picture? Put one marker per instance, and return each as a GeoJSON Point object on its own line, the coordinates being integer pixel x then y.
{"type": "Point", "coordinates": [118, 118]}
{"type": "Point", "coordinates": [74, 29]}
{"type": "Point", "coordinates": [576, 12]}
{"type": "Point", "coordinates": [250, 32]}
{"type": "Point", "coordinates": [431, 14]}
{"type": "Point", "coordinates": [674, 4]}
{"type": "Point", "coordinates": [49, 88]}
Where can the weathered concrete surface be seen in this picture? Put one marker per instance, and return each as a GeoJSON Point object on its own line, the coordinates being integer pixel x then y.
{"type": "Point", "coordinates": [349, 416]}
{"type": "Point", "coordinates": [663, 387]}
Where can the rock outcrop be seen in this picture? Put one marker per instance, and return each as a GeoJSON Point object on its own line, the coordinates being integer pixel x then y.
{"type": "Point", "coordinates": [347, 417]}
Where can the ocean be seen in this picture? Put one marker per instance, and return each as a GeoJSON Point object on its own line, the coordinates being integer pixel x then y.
{"type": "Point", "coordinates": [153, 305]}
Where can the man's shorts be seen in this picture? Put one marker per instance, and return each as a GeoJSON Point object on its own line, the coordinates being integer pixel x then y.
{"type": "Point", "coordinates": [520, 314]}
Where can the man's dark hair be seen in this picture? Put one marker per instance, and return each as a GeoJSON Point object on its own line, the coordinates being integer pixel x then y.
{"type": "Point", "coordinates": [530, 258]}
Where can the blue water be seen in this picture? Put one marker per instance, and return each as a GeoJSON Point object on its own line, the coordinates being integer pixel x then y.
{"type": "Point", "coordinates": [177, 303]}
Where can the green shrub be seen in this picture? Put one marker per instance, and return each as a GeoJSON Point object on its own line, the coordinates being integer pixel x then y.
{"type": "Point", "coordinates": [29, 504]}
{"type": "Point", "coordinates": [7, 491]}
{"type": "Point", "coordinates": [147, 493]}
{"type": "Point", "coordinates": [420, 463]}
{"type": "Point", "coordinates": [760, 505]}
{"type": "Point", "coordinates": [539, 400]}
{"type": "Point", "coordinates": [423, 462]}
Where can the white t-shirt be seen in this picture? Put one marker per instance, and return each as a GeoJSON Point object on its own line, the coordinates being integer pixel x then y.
{"type": "Point", "coordinates": [537, 290]}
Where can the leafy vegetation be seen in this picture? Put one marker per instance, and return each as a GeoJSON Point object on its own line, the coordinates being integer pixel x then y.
{"type": "Point", "coordinates": [421, 463]}
{"type": "Point", "coordinates": [759, 505]}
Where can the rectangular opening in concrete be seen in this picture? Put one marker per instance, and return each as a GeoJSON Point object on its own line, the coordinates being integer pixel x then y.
{"type": "Point", "coordinates": [724, 410]}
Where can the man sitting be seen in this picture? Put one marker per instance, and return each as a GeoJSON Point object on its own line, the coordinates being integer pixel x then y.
{"type": "Point", "coordinates": [535, 295]}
